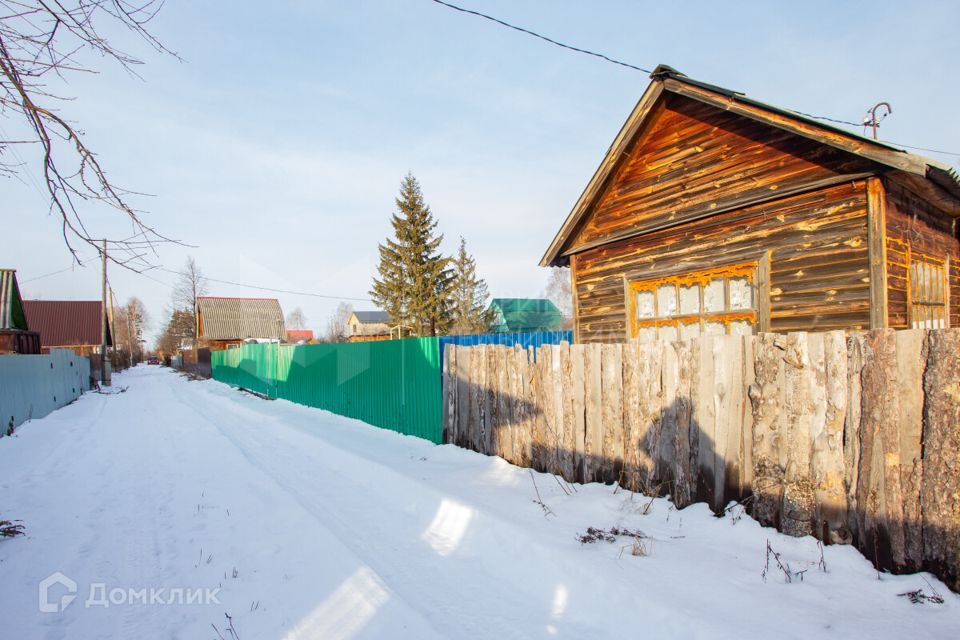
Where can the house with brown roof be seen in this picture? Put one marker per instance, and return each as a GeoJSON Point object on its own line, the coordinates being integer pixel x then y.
{"type": "Point", "coordinates": [226, 323]}
{"type": "Point", "coordinates": [715, 213]}
{"type": "Point", "coordinates": [70, 324]}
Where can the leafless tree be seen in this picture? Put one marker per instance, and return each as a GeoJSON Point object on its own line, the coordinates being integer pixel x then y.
{"type": "Point", "coordinates": [338, 329]}
{"type": "Point", "coordinates": [40, 41]}
{"type": "Point", "coordinates": [190, 286]}
{"type": "Point", "coordinates": [560, 292]}
{"type": "Point", "coordinates": [296, 319]}
{"type": "Point", "coordinates": [129, 324]}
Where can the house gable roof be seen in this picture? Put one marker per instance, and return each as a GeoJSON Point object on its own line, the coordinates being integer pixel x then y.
{"type": "Point", "coordinates": [372, 317]}
{"type": "Point", "coordinates": [295, 335]}
{"type": "Point", "coordinates": [525, 314]}
{"type": "Point", "coordinates": [240, 318]}
{"type": "Point", "coordinates": [12, 315]}
{"type": "Point", "coordinates": [66, 323]}
{"type": "Point", "coordinates": [938, 182]}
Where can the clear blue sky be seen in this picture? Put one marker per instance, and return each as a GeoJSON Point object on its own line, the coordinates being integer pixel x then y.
{"type": "Point", "coordinates": [278, 144]}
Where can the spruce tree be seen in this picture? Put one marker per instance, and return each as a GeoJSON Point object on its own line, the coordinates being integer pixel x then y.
{"type": "Point", "coordinates": [391, 291]}
{"type": "Point", "coordinates": [414, 280]}
{"type": "Point", "coordinates": [468, 308]}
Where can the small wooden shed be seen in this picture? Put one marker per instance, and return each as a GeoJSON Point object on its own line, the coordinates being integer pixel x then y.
{"type": "Point", "coordinates": [715, 213]}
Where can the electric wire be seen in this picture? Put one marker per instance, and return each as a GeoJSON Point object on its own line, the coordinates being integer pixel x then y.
{"type": "Point", "coordinates": [271, 289]}
{"type": "Point", "coordinates": [53, 273]}
{"type": "Point", "coordinates": [621, 63]}
{"type": "Point", "coordinates": [542, 37]}
{"type": "Point", "coordinates": [907, 146]}
{"type": "Point", "coordinates": [828, 119]}
{"type": "Point", "coordinates": [217, 280]}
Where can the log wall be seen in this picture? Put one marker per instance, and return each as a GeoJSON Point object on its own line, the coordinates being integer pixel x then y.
{"type": "Point", "coordinates": [914, 227]}
{"type": "Point", "coordinates": [700, 187]}
{"type": "Point", "coordinates": [818, 252]}
{"type": "Point", "coordinates": [852, 438]}
{"type": "Point", "coordinates": [694, 157]}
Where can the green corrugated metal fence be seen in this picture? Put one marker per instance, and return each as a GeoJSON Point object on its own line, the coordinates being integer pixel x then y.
{"type": "Point", "coordinates": [393, 384]}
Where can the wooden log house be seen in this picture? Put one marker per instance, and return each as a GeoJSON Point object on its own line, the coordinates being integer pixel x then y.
{"type": "Point", "coordinates": [714, 213]}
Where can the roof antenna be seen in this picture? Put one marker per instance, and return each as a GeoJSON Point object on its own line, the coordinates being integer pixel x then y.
{"type": "Point", "coordinates": [870, 120]}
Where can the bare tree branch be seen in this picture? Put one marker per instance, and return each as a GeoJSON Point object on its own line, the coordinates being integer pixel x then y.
{"type": "Point", "coordinates": [41, 37]}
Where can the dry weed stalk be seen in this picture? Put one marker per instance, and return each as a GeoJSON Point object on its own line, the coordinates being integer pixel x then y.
{"type": "Point", "coordinates": [547, 511]}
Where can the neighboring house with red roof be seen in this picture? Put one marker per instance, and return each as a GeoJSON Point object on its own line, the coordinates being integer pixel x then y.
{"type": "Point", "coordinates": [72, 324]}
{"type": "Point", "coordinates": [226, 323]}
{"type": "Point", "coordinates": [299, 336]}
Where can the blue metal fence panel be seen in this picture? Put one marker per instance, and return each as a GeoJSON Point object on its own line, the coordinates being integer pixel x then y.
{"type": "Point", "coordinates": [507, 339]}
{"type": "Point", "coordinates": [32, 386]}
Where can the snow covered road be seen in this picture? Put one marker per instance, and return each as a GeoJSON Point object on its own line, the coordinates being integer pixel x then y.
{"type": "Point", "coordinates": [300, 524]}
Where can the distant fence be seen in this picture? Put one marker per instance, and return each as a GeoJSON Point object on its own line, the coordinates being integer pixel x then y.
{"type": "Point", "coordinates": [32, 386]}
{"type": "Point", "coordinates": [393, 384]}
{"type": "Point", "coordinates": [850, 438]}
{"type": "Point", "coordinates": [196, 362]}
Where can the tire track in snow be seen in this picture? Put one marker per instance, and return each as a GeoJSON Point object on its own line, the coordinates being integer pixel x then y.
{"type": "Point", "coordinates": [431, 586]}
{"type": "Point", "coordinates": [368, 572]}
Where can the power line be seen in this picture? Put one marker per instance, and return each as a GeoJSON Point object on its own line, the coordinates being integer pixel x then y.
{"type": "Point", "coordinates": [637, 68]}
{"type": "Point", "coordinates": [946, 153]}
{"type": "Point", "coordinates": [229, 282]}
{"type": "Point", "coordinates": [599, 55]}
{"type": "Point", "coordinates": [828, 119]}
{"type": "Point", "coordinates": [890, 142]}
{"type": "Point", "coordinates": [542, 37]}
{"type": "Point", "coordinates": [149, 277]}
{"type": "Point", "coordinates": [271, 289]}
{"type": "Point", "coordinates": [53, 273]}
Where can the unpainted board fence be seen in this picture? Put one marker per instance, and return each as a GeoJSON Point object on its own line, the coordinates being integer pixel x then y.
{"type": "Point", "coordinates": [853, 438]}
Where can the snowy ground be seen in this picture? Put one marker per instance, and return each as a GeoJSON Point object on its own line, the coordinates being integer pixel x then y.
{"type": "Point", "coordinates": [315, 526]}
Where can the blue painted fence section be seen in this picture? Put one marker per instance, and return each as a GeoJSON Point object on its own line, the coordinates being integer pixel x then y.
{"type": "Point", "coordinates": [31, 386]}
{"type": "Point", "coordinates": [507, 339]}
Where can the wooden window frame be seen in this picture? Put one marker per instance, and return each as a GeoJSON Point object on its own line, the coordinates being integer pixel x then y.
{"type": "Point", "coordinates": [757, 270]}
{"type": "Point", "coordinates": [943, 265]}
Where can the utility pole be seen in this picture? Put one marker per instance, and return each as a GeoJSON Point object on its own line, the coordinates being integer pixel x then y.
{"type": "Point", "coordinates": [103, 319]}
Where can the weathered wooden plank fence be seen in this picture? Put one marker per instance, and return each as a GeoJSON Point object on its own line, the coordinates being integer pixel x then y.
{"type": "Point", "coordinates": [853, 438]}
